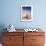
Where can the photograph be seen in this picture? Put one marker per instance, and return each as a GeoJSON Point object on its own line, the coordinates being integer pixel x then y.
{"type": "Point", "coordinates": [26, 12]}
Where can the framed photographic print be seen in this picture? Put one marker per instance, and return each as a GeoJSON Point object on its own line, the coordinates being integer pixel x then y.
{"type": "Point", "coordinates": [26, 12]}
